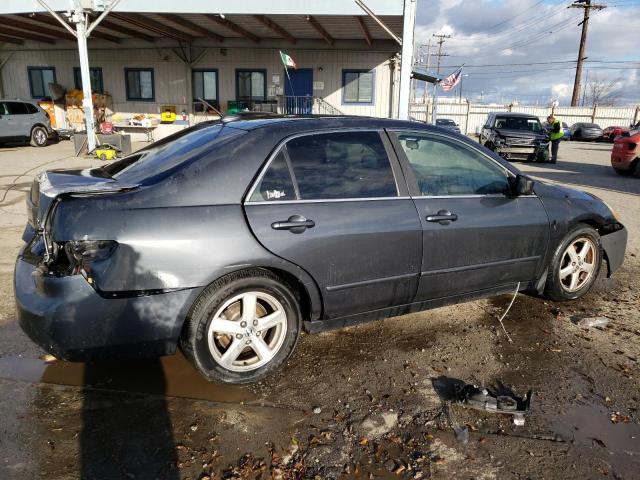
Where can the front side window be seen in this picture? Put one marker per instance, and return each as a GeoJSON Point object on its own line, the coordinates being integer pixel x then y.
{"type": "Point", "coordinates": [357, 86]}
{"type": "Point", "coordinates": [251, 85]}
{"type": "Point", "coordinates": [276, 184]}
{"type": "Point", "coordinates": [139, 84]}
{"type": "Point", "coordinates": [341, 165]}
{"type": "Point", "coordinates": [445, 167]}
{"type": "Point", "coordinates": [39, 80]}
{"type": "Point", "coordinates": [95, 74]}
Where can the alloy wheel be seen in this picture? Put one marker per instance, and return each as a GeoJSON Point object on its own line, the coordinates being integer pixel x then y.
{"type": "Point", "coordinates": [247, 331]}
{"type": "Point", "coordinates": [578, 264]}
{"type": "Point", "coordinates": [40, 136]}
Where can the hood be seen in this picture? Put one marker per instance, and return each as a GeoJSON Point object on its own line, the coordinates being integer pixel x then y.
{"type": "Point", "coordinates": [523, 134]}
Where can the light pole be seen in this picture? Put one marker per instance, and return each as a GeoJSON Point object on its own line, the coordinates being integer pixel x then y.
{"type": "Point", "coordinates": [460, 89]}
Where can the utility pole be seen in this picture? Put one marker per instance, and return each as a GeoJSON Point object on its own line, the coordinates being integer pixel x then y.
{"type": "Point", "coordinates": [587, 6]}
{"type": "Point", "coordinates": [420, 62]}
{"type": "Point", "coordinates": [441, 38]}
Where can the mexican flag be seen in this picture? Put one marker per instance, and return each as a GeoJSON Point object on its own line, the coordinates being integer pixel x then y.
{"type": "Point", "coordinates": [287, 60]}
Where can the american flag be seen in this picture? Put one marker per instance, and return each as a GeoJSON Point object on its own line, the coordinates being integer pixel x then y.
{"type": "Point", "coordinates": [452, 80]}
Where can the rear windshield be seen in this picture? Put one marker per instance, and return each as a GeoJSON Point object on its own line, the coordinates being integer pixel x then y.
{"type": "Point", "coordinates": [445, 121]}
{"type": "Point", "coordinates": [590, 125]}
{"type": "Point", "coordinates": [165, 156]}
{"type": "Point", "coordinates": [530, 124]}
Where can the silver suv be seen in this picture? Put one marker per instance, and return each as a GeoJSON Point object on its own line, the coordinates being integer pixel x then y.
{"type": "Point", "coordinates": [20, 120]}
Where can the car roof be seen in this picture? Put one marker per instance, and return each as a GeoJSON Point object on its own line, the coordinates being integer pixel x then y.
{"type": "Point", "coordinates": [302, 122]}
{"type": "Point", "coordinates": [514, 114]}
{"type": "Point", "coordinates": [17, 100]}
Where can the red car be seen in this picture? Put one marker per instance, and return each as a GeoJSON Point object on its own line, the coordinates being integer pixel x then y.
{"type": "Point", "coordinates": [610, 133]}
{"type": "Point", "coordinates": [625, 156]}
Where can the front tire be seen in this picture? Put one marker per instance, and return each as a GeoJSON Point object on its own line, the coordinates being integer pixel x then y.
{"type": "Point", "coordinates": [575, 264]}
{"type": "Point", "coordinates": [39, 137]}
{"type": "Point", "coordinates": [242, 327]}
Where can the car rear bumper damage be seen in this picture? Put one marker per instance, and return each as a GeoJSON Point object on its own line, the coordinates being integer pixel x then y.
{"type": "Point", "coordinates": [68, 318]}
{"type": "Point", "coordinates": [614, 245]}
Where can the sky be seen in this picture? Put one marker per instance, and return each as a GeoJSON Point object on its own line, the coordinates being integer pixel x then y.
{"type": "Point", "coordinates": [526, 36]}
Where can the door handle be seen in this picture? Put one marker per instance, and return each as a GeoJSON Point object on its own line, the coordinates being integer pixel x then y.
{"type": "Point", "coordinates": [443, 217]}
{"type": "Point", "coordinates": [295, 224]}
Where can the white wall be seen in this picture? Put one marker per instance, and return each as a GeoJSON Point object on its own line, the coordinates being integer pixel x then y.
{"type": "Point", "coordinates": [173, 77]}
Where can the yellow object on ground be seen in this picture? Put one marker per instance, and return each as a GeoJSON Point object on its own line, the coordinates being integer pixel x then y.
{"type": "Point", "coordinates": [106, 152]}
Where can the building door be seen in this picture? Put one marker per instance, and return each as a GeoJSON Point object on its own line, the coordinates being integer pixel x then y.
{"type": "Point", "coordinates": [298, 90]}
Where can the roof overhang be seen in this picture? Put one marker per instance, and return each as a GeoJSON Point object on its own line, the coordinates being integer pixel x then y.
{"type": "Point", "coordinates": [247, 7]}
{"type": "Point", "coordinates": [212, 22]}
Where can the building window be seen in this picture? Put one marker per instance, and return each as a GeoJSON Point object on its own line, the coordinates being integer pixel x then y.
{"type": "Point", "coordinates": [39, 80]}
{"type": "Point", "coordinates": [139, 84]}
{"type": "Point", "coordinates": [205, 86]}
{"type": "Point", "coordinates": [357, 86]}
{"type": "Point", "coordinates": [251, 85]}
{"type": "Point", "coordinates": [95, 73]}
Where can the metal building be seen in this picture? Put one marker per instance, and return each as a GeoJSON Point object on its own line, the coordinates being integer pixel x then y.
{"type": "Point", "coordinates": [191, 54]}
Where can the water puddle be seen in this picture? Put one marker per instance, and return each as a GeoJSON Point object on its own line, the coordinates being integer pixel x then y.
{"type": "Point", "coordinates": [591, 425]}
{"type": "Point", "coordinates": [171, 376]}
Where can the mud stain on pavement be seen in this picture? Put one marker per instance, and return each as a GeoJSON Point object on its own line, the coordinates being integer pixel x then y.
{"type": "Point", "coordinates": [181, 380]}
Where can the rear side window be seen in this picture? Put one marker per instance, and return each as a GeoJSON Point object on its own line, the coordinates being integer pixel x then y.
{"type": "Point", "coordinates": [17, 108]}
{"type": "Point", "coordinates": [341, 165]}
{"type": "Point", "coordinates": [276, 184]}
{"type": "Point", "coordinates": [31, 108]}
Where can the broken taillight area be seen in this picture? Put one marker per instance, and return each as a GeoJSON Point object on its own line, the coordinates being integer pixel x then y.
{"type": "Point", "coordinates": [80, 256]}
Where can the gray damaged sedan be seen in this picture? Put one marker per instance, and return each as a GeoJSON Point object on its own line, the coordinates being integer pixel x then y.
{"type": "Point", "coordinates": [229, 238]}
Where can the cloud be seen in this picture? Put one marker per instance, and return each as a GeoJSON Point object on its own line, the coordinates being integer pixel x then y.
{"type": "Point", "coordinates": [488, 32]}
{"type": "Point", "coordinates": [561, 90]}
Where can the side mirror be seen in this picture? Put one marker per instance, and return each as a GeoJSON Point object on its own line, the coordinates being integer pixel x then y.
{"type": "Point", "coordinates": [522, 185]}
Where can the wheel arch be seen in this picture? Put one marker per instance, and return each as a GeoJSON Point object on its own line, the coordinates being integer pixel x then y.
{"type": "Point", "coordinates": [300, 283]}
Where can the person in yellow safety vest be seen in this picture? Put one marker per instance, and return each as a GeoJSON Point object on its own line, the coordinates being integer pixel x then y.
{"type": "Point", "coordinates": [555, 135]}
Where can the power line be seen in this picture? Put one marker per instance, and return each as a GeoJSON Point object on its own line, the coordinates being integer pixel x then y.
{"type": "Point", "coordinates": [514, 16]}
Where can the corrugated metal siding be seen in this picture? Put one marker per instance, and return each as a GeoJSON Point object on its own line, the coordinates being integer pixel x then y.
{"type": "Point", "coordinates": [173, 78]}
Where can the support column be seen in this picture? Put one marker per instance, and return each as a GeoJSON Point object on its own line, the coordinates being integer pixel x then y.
{"type": "Point", "coordinates": [408, 27]}
{"type": "Point", "coordinates": [80, 19]}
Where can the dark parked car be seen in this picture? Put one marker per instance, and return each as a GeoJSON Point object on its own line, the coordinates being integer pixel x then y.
{"type": "Point", "coordinates": [515, 136]}
{"type": "Point", "coordinates": [448, 123]}
{"type": "Point", "coordinates": [586, 131]}
{"type": "Point", "coordinates": [230, 237]}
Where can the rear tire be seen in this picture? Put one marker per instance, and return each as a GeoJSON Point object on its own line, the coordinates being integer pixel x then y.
{"type": "Point", "coordinates": [575, 264]}
{"type": "Point", "coordinates": [39, 137]}
{"type": "Point", "coordinates": [228, 344]}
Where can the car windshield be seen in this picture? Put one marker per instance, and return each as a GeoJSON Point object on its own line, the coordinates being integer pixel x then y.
{"type": "Point", "coordinates": [530, 124]}
{"type": "Point", "coordinates": [446, 122]}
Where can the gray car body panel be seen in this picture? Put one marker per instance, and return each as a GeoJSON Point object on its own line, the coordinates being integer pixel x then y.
{"type": "Point", "coordinates": [19, 126]}
{"type": "Point", "coordinates": [183, 226]}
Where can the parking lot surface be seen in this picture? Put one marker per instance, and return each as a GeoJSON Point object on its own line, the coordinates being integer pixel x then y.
{"type": "Point", "coordinates": [362, 402]}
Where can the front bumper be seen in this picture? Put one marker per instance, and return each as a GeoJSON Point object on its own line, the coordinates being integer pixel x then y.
{"type": "Point", "coordinates": [69, 319]}
{"type": "Point", "coordinates": [614, 245]}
